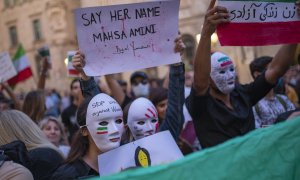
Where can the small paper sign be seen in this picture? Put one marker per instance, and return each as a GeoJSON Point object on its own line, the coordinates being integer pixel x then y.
{"type": "Point", "coordinates": [7, 69]}
{"type": "Point", "coordinates": [156, 149]}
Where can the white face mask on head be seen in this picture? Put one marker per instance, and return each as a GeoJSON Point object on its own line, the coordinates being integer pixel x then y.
{"type": "Point", "coordinates": [223, 72]}
{"type": "Point", "coordinates": [104, 121]}
{"type": "Point", "coordinates": [141, 90]}
{"type": "Point", "coordinates": [142, 118]}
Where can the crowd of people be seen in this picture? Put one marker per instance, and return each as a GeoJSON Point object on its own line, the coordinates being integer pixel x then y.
{"type": "Point", "coordinates": [47, 135]}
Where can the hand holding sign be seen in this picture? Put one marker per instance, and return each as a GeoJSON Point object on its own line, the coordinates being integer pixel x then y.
{"type": "Point", "coordinates": [78, 62]}
{"type": "Point", "coordinates": [214, 16]}
{"type": "Point", "coordinates": [179, 45]}
{"type": "Point", "coordinates": [127, 37]}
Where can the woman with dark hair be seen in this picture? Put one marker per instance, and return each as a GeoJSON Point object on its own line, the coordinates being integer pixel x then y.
{"type": "Point", "coordinates": [159, 98]}
{"type": "Point", "coordinates": [34, 105]}
{"type": "Point", "coordinates": [101, 127]}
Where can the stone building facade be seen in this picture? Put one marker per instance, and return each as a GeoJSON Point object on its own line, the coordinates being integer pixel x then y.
{"type": "Point", "coordinates": [35, 23]}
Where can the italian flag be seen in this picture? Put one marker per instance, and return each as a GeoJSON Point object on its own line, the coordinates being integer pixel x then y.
{"type": "Point", "coordinates": [255, 23]}
{"type": "Point", "coordinates": [22, 66]}
{"type": "Point", "coordinates": [102, 130]}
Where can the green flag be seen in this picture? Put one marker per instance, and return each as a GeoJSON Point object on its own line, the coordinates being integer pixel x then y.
{"type": "Point", "coordinates": [268, 153]}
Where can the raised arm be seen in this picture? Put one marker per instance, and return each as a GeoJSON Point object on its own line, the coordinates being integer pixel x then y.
{"type": "Point", "coordinates": [174, 114]}
{"type": "Point", "coordinates": [115, 88]}
{"type": "Point", "coordinates": [280, 63]}
{"type": "Point", "coordinates": [214, 16]}
{"type": "Point", "coordinates": [43, 75]}
{"type": "Point", "coordinates": [11, 95]}
{"type": "Point", "coordinates": [282, 59]}
{"type": "Point", "coordinates": [88, 85]}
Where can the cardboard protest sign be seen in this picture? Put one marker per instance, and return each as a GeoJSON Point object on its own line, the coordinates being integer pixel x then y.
{"type": "Point", "coordinates": [72, 72]}
{"type": "Point", "coordinates": [127, 37]}
{"type": "Point", "coordinates": [159, 148]}
{"type": "Point", "coordinates": [7, 69]}
{"type": "Point", "coordinates": [260, 22]}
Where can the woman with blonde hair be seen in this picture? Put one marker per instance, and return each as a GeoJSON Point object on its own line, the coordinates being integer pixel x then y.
{"type": "Point", "coordinates": [43, 155]}
{"type": "Point", "coordinates": [54, 130]}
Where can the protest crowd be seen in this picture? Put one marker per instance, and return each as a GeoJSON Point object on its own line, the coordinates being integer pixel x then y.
{"type": "Point", "coordinates": [48, 135]}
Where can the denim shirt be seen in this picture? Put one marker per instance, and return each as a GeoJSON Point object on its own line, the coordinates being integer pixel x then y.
{"type": "Point", "coordinates": [174, 116]}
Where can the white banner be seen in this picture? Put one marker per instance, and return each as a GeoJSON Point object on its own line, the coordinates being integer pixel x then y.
{"type": "Point", "coordinates": [127, 37]}
{"type": "Point", "coordinates": [7, 69]}
{"type": "Point", "coordinates": [256, 11]}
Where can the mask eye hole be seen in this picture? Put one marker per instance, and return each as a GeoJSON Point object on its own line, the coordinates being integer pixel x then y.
{"type": "Point", "coordinates": [141, 122]}
{"type": "Point", "coordinates": [222, 72]}
{"type": "Point", "coordinates": [119, 121]}
{"type": "Point", "coordinates": [154, 120]}
{"type": "Point", "coordinates": [231, 69]}
{"type": "Point", "coordinates": [103, 123]}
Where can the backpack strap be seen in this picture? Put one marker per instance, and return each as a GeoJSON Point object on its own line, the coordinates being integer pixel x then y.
{"type": "Point", "coordinates": [282, 102]}
{"type": "Point", "coordinates": [3, 158]}
{"type": "Point", "coordinates": [257, 109]}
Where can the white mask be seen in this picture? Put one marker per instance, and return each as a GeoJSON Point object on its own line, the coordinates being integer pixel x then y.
{"type": "Point", "coordinates": [104, 121]}
{"type": "Point", "coordinates": [222, 72]}
{"type": "Point", "coordinates": [141, 90]}
{"type": "Point", "coordinates": [142, 118]}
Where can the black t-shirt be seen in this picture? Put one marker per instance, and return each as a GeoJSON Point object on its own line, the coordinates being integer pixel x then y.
{"type": "Point", "coordinates": [215, 122]}
{"type": "Point", "coordinates": [68, 117]}
{"type": "Point", "coordinates": [75, 170]}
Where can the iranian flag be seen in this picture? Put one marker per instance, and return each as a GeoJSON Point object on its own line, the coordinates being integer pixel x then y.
{"type": "Point", "coordinates": [255, 23]}
{"type": "Point", "coordinates": [22, 66]}
{"type": "Point", "coordinates": [72, 72]}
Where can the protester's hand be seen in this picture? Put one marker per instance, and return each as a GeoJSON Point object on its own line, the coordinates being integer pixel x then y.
{"type": "Point", "coordinates": [214, 16]}
{"type": "Point", "coordinates": [179, 45]}
{"type": "Point", "coordinates": [298, 6]}
{"type": "Point", "coordinates": [78, 62]}
{"type": "Point", "coordinates": [45, 66]}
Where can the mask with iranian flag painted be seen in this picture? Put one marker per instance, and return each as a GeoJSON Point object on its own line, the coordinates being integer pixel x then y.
{"type": "Point", "coordinates": [142, 118]}
{"type": "Point", "coordinates": [222, 72]}
{"type": "Point", "coordinates": [104, 121]}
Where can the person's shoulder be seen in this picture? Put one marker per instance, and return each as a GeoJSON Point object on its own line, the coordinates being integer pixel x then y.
{"type": "Point", "coordinates": [70, 170]}
{"type": "Point", "coordinates": [45, 154]}
{"type": "Point", "coordinates": [65, 171]}
{"type": "Point", "coordinates": [69, 110]}
{"type": "Point", "coordinates": [12, 170]}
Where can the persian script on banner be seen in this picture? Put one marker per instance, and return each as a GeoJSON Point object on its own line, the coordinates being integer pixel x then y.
{"type": "Point", "coordinates": [254, 23]}
{"type": "Point", "coordinates": [127, 37]}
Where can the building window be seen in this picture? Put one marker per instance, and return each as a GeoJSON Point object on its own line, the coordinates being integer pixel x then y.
{"type": "Point", "coordinates": [7, 3]}
{"type": "Point", "coordinates": [13, 36]}
{"type": "Point", "coordinates": [36, 24]}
